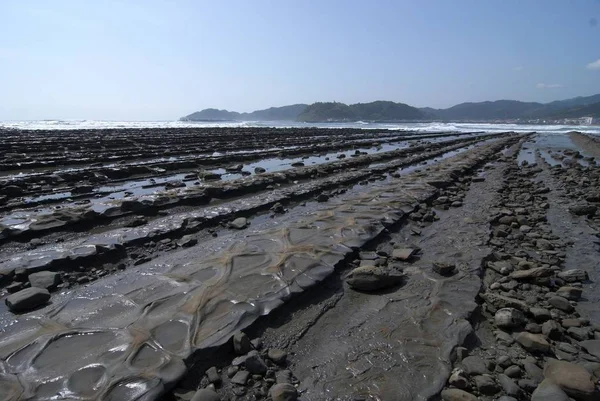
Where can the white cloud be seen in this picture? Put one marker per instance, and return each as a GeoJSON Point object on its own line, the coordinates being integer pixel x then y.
{"type": "Point", "coordinates": [518, 68]}
{"type": "Point", "coordinates": [548, 86]}
{"type": "Point", "coordinates": [595, 65]}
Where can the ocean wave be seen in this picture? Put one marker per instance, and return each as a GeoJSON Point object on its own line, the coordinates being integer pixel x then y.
{"type": "Point", "coordinates": [420, 127]}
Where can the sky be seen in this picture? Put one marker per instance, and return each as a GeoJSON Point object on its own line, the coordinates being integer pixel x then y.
{"type": "Point", "coordinates": [160, 60]}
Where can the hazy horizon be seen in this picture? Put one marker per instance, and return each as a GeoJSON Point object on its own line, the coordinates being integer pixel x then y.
{"type": "Point", "coordinates": [158, 61]}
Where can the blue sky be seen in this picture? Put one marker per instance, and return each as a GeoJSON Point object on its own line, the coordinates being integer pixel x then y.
{"type": "Point", "coordinates": [159, 60]}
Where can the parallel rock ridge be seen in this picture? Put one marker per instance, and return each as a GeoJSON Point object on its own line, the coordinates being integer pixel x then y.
{"type": "Point", "coordinates": [132, 345]}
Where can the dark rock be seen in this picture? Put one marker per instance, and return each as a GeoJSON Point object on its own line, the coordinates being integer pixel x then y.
{"type": "Point", "coordinates": [284, 376]}
{"type": "Point", "coordinates": [533, 342]}
{"type": "Point", "coordinates": [540, 314]}
{"type": "Point", "coordinates": [583, 210]}
{"type": "Point", "coordinates": [561, 303]}
{"type": "Point", "coordinates": [322, 198]}
{"type": "Point", "coordinates": [371, 278]}
{"type": "Point", "coordinates": [580, 333]}
{"type": "Point", "coordinates": [174, 184]}
{"type": "Point", "coordinates": [27, 299]}
{"type": "Point", "coordinates": [213, 375]}
{"type": "Point", "coordinates": [444, 269]}
{"type": "Point", "coordinates": [592, 347]}
{"type": "Point", "coordinates": [474, 365]}
{"type": "Point", "coordinates": [454, 394]}
{"type": "Point", "coordinates": [277, 208]}
{"type": "Point", "coordinates": [255, 365]}
{"type": "Point", "coordinates": [241, 343]}
{"type": "Point", "coordinates": [486, 384]}
{"type": "Point", "coordinates": [508, 385]}
{"type": "Point", "coordinates": [278, 356]}
{"type": "Point", "coordinates": [241, 377]}
{"type": "Point", "coordinates": [549, 391]}
{"type": "Point", "coordinates": [533, 371]}
{"type": "Point", "coordinates": [573, 275]}
{"type": "Point", "coordinates": [403, 253]}
{"type": "Point", "coordinates": [283, 392]}
{"type": "Point", "coordinates": [552, 330]}
{"type": "Point", "coordinates": [458, 379]}
{"type": "Point", "coordinates": [509, 318]}
{"type": "Point", "coordinates": [206, 395]}
{"type": "Point", "coordinates": [259, 170]}
{"type": "Point", "coordinates": [232, 370]}
{"type": "Point", "coordinates": [44, 279]}
{"type": "Point", "coordinates": [186, 241]}
{"type": "Point", "coordinates": [513, 371]}
{"type": "Point", "coordinates": [571, 293]}
{"type": "Point", "coordinates": [234, 168]}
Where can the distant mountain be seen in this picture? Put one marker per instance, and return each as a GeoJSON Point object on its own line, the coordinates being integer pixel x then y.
{"type": "Point", "coordinates": [390, 111]}
{"type": "Point", "coordinates": [374, 111]}
{"type": "Point", "coordinates": [590, 110]}
{"type": "Point", "coordinates": [509, 109]}
{"type": "Point", "coordinates": [285, 113]}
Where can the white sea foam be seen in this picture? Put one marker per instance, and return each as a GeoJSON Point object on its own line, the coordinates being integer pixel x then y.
{"type": "Point", "coordinates": [422, 127]}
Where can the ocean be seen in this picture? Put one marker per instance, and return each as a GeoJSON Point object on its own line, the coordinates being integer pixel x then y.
{"type": "Point", "coordinates": [423, 127]}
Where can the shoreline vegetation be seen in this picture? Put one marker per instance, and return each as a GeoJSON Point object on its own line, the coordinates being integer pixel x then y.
{"type": "Point", "coordinates": [586, 109]}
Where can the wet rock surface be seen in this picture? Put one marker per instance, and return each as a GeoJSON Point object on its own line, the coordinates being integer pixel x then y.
{"type": "Point", "coordinates": [266, 266]}
{"type": "Point", "coordinates": [478, 283]}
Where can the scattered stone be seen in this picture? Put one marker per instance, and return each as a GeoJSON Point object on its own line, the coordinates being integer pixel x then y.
{"type": "Point", "coordinates": [283, 376]}
{"type": "Point", "coordinates": [241, 377]}
{"type": "Point", "coordinates": [278, 356]}
{"type": "Point", "coordinates": [561, 303]}
{"type": "Point", "coordinates": [549, 391]}
{"type": "Point", "coordinates": [540, 314]}
{"type": "Point", "coordinates": [474, 365]}
{"type": "Point", "coordinates": [573, 275]}
{"type": "Point", "coordinates": [458, 379]}
{"type": "Point", "coordinates": [552, 330]}
{"type": "Point", "coordinates": [444, 269]}
{"type": "Point", "coordinates": [592, 347]}
{"type": "Point", "coordinates": [513, 371]}
{"type": "Point", "coordinates": [187, 241]}
{"type": "Point", "coordinates": [531, 273]}
{"type": "Point", "coordinates": [571, 293]}
{"type": "Point", "coordinates": [213, 375]}
{"type": "Point", "coordinates": [44, 279]}
{"type": "Point", "coordinates": [371, 278]}
{"type": "Point", "coordinates": [255, 365]}
{"type": "Point", "coordinates": [509, 318]}
{"type": "Point", "coordinates": [27, 299]}
{"type": "Point", "coordinates": [403, 253]}
{"type": "Point", "coordinates": [486, 385]}
{"type": "Point", "coordinates": [283, 392]}
{"type": "Point", "coordinates": [241, 343]}
{"type": "Point", "coordinates": [206, 395]}
{"type": "Point", "coordinates": [533, 342]}
{"type": "Point", "coordinates": [583, 210]}
{"type": "Point", "coordinates": [454, 394]}
{"type": "Point", "coordinates": [322, 197]}
{"type": "Point", "coordinates": [508, 385]}
{"type": "Point", "coordinates": [571, 378]}
{"type": "Point", "coordinates": [533, 371]}
{"type": "Point", "coordinates": [277, 208]}
{"type": "Point", "coordinates": [239, 223]}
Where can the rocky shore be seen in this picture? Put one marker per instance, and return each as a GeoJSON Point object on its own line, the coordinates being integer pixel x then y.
{"type": "Point", "coordinates": [453, 267]}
